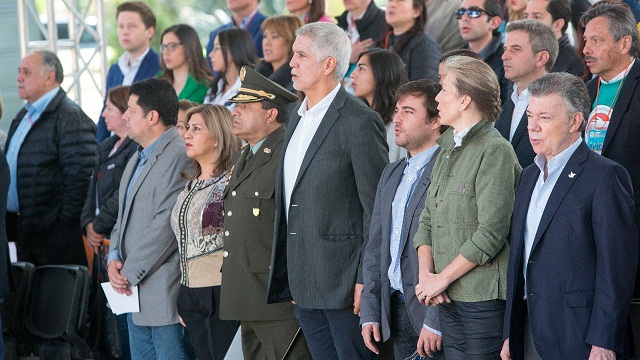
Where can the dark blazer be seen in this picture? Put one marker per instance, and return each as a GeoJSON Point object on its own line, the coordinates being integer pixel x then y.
{"type": "Point", "coordinates": [249, 207]}
{"type": "Point", "coordinates": [372, 24]}
{"type": "Point", "coordinates": [421, 56]}
{"type": "Point", "coordinates": [568, 60]}
{"type": "Point", "coordinates": [582, 264]}
{"type": "Point", "coordinates": [317, 254]}
{"type": "Point", "coordinates": [104, 184]}
{"type": "Point", "coordinates": [149, 67]}
{"type": "Point", "coordinates": [6, 282]}
{"type": "Point", "coordinates": [622, 141]}
{"type": "Point", "coordinates": [520, 142]}
{"type": "Point", "coordinates": [376, 304]}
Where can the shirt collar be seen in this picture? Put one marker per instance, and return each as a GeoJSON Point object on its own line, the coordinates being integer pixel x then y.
{"type": "Point", "coordinates": [621, 75]}
{"type": "Point", "coordinates": [421, 159]}
{"type": "Point", "coordinates": [321, 106]}
{"type": "Point", "coordinates": [247, 20]}
{"type": "Point", "coordinates": [559, 161]}
{"type": "Point", "coordinates": [525, 95]}
{"type": "Point", "coordinates": [491, 47]}
{"type": "Point", "coordinates": [123, 60]}
{"type": "Point", "coordinates": [458, 136]}
{"type": "Point", "coordinates": [257, 146]}
{"type": "Point", "coordinates": [41, 104]}
{"type": "Point", "coordinates": [145, 153]}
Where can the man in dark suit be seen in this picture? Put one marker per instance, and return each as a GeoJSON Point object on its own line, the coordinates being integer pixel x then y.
{"type": "Point", "coordinates": [574, 244]}
{"type": "Point", "coordinates": [556, 14]}
{"type": "Point", "coordinates": [334, 152]}
{"type": "Point", "coordinates": [613, 127]}
{"type": "Point", "coordinates": [136, 27]}
{"type": "Point", "coordinates": [389, 309]}
{"type": "Point", "coordinates": [529, 52]}
{"type": "Point", "coordinates": [51, 151]}
{"type": "Point", "coordinates": [249, 203]}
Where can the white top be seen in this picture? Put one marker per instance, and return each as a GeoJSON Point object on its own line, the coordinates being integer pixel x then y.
{"type": "Point", "coordinates": [299, 143]}
{"type": "Point", "coordinates": [130, 70]}
{"type": "Point", "coordinates": [521, 102]}
{"type": "Point", "coordinates": [458, 136]}
{"type": "Point", "coordinates": [222, 98]}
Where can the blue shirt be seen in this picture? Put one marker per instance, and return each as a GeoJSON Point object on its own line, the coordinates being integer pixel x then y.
{"type": "Point", "coordinates": [143, 155]}
{"type": "Point", "coordinates": [34, 111]}
{"type": "Point", "coordinates": [540, 197]}
{"type": "Point", "coordinates": [413, 170]}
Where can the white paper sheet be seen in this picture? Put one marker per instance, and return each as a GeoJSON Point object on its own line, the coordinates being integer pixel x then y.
{"type": "Point", "coordinates": [120, 303]}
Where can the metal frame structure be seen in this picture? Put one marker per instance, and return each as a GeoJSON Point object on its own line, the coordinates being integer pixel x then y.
{"type": "Point", "coordinates": [80, 60]}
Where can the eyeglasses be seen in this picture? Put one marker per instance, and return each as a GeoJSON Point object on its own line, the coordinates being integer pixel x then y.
{"type": "Point", "coordinates": [473, 12]}
{"type": "Point", "coordinates": [172, 46]}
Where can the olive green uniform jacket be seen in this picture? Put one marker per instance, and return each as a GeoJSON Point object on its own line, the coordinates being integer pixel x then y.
{"type": "Point", "coordinates": [249, 206]}
{"type": "Point", "coordinates": [468, 210]}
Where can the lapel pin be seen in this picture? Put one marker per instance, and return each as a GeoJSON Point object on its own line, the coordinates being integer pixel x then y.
{"type": "Point", "coordinates": [267, 151]}
{"type": "Point", "coordinates": [572, 175]}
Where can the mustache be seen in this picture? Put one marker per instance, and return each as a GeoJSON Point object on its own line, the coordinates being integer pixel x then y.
{"type": "Point", "coordinates": [589, 58]}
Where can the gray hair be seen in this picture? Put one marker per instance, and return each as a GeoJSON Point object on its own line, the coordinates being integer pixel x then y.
{"type": "Point", "coordinates": [569, 87]}
{"type": "Point", "coordinates": [621, 22]}
{"type": "Point", "coordinates": [329, 40]}
{"type": "Point", "coordinates": [541, 38]}
{"type": "Point", "coordinates": [50, 62]}
{"type": "Point", "coordinates": [474, 78]}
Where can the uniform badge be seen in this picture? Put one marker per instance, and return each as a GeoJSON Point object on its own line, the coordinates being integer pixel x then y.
{"type": "Point", "coordinates": [256, 211]}
{"type": "Point", "coordinates": [572, 175]}
{"type": "Point", "coordinates": [243, 72]}
{"type": "Point", "coordinates": [267, 151]}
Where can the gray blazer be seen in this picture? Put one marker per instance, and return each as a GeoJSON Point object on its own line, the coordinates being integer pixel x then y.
{"type": "Point", "coordinates": [376, 304]}
{"type": "Point", "coordinates": [143, 234]}
{"type": "Point", "coordinates": [317, 255]}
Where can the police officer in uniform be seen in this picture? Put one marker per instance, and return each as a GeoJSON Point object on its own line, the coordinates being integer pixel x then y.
{"type": "Point", "coordinates": [268, 331]}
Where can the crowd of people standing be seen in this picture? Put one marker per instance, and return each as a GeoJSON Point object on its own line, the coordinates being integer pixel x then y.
{"type": "Point", "coordinates": [343, 189]}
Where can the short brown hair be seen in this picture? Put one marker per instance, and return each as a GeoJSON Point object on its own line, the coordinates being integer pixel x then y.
{"type": "Point", "coordinates": [219, 122]}
{"type": "Point", "coordinates": [474, 78]}
{"type": "Point", "coordinates": [119, 97]}
{"type": "Point", "coordinates": [145, 12]}
{"type": "Point", "coordinates": [286, 26]}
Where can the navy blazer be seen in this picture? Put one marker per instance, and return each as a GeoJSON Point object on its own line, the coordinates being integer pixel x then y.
{"type": "Point", "coordinates": [622, 141]}
{"type": "Point", "coordinates": [149, 68]}
{"type": "Point", "coordinates": [520, 142]}
{"type": "Point", "coordinates": [582, 263]}
{"type": "Point", "coordinates": [376, 303]}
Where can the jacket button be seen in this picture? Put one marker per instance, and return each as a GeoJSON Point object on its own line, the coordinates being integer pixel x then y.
{"type": "Point", "coordinates": [225, 254]}
{"type": "Point", "coordinates": [226, 233]}
{"type": "Point", "coordinates": [233, 193]}
{"type": "Point", "coordinates": [229, 213]}
{"type": "Point", "coordinates": [257, 193]}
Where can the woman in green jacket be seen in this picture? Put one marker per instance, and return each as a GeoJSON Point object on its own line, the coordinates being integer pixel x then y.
{"type": "Point", "coordinates": [462, 237]}
{"type": "Point", "coordinates": [183, 63]}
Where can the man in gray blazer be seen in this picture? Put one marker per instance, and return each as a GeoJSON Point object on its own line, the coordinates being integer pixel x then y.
{"type": "Point", "coordinates": [389, 307]}
{"type": "Point", "coordinates": [144, 251]}
{"type": "Point", "coordinates": [334, 152]}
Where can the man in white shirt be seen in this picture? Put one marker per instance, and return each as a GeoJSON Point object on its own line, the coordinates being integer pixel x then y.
{"type": "Point", "coordinates": [334, 152]}
{"type": "Point", "coordinates": [529, 52]}
{"type": "Point", "coordinates": [136, 27]}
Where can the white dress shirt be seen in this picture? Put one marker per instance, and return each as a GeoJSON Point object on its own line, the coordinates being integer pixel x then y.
{"type": "Point", "coordinates": [128, 69]}
{"type": "Point", "coordinates": [299, 143]}
{"type": "Point", "coordinates": [520, 103]}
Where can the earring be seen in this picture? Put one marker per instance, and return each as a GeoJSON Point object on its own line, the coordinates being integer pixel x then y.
{"type": "Point", "coordinates": [460, 108]}
{"type": "Point", "coordinates": [310, 1]}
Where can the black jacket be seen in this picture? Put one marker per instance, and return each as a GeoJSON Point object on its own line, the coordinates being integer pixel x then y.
{"type": "Point", "coordinates": [54, 167]}
{"type": "Point", "coordinates": [568, 60]}
{"type": "Point", "coordinates": [104, 185]}
{"type": "Point", "coordinates": [5, 264]}
{"type": "Point", "coordinates": [370, 26]}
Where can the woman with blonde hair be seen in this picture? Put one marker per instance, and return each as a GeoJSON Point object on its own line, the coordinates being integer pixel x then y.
{"type": "Point", "coordinates": [279, 33]}
{"type": "Point", "coordinates": [197, 221]}
{"type": "Point", "coordinates": [462, 236]}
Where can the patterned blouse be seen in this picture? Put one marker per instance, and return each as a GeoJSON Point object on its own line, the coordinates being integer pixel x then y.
{"type": "Point", "coordinates": [197, 220]}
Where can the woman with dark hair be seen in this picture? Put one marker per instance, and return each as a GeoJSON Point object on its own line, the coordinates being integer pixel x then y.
{"type": "Point", "coordinates": [405, 36]}
{"type": "Point", "coordinates": [462, 236]}
{"type": "Point", "coordinates": [308, 10]}
{"type": "Point", "coordinates": [197, 222]}
{"type": "Point", "coordinates": [232, 49]}
{"type": "Point", "coordinates": [377, 76]}
{"type": "Point", "coordinates": [182, 63]}
{"type": "Point", "coordinates": [99, 215]}
{"type": "Point", "coordinates": [279, 32]}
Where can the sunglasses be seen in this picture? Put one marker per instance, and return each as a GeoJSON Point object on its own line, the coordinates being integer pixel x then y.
{"type": "Point", "coordinates": [473, 12]}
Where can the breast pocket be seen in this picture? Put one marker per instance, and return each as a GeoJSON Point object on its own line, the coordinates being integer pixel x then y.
{"type": "Point", "coordinates": [259, 204]}
{"type": "Point", "coordinates": [464, 209]}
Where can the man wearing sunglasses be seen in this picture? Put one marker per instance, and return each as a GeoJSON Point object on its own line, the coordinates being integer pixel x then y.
{"type": "Point", "coordinates": [478, 21]}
